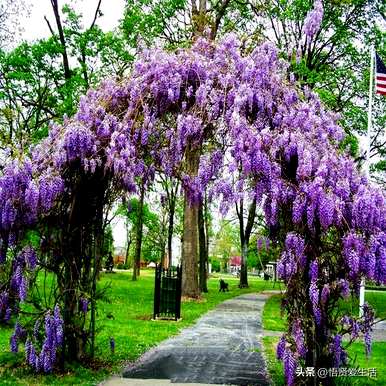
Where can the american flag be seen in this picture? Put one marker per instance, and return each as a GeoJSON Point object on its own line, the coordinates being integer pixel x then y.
{"type": "Point", "coordinates": [380, 76]}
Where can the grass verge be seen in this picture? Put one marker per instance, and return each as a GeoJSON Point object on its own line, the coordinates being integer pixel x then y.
{"type": "Point", "coordinates": [274, 321]}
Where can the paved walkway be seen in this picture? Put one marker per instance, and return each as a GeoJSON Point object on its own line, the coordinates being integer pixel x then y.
{"type": "Point", "coordinates": [223, 347]}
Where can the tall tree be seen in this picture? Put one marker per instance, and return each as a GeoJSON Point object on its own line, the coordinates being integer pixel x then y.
{"type": "Point", "coordinates": [189, 258]}
{"type": "Point", "coordinates": [203, 252]}
{"type": "Point", "coordinates": [139, 232]}
{"type": "Point", "coordinates": [58, 21]}
{"type": "Point", "coordinates": [170, 185]}
{"type": "Point", "coordinates": [226, 242]}
{"type": "Point", "coordinates": [154, 229]}
{"type": "Point", "coordinates": [245, 231]}
{"type": "Point", "coordinates": [175, 23]}
{"type": "Point", "coordinates": [42, 81]}
{"type": "Point", "coordinates": [333, 60]}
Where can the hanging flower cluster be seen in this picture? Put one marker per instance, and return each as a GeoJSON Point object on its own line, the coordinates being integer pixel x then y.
{"type": "Point", "coordinates": [313, 20]}
{"type": "Point", "coordinates": [53, 340]}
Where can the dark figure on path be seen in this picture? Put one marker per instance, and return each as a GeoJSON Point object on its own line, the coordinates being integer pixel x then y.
{"type": "Point", "coordinates": [267, 276]}
{"type": "Point", "coordinates": [109, 263]}
{"type": "Point", "coordinates": [223, 286]}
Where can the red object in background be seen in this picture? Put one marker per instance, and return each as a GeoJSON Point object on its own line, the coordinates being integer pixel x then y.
{"type": "Point", "coordinates": [235, 260]}
{"type": "Point", "coordinates": [380, 76]}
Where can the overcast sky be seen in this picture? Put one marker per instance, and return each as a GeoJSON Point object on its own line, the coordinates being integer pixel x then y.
{"type": "Point", "coordinates": [35, 27]}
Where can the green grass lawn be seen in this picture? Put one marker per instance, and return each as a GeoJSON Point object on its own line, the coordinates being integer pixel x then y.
{"type": "Point", "coordinates": [274, 321]}
{"type": "Point", "coordinates": [272, 318]}
{"type": "Point", "coordinates": [127, 318]}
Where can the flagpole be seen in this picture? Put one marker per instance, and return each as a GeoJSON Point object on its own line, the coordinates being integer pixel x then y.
{"type": "Point", "coordinates": [369, 114]}
{"type": "Point", "coordinates": [367, 165]}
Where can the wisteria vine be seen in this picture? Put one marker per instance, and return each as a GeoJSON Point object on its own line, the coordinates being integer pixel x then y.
{"type": "Point", "coordinates": [246, 117]}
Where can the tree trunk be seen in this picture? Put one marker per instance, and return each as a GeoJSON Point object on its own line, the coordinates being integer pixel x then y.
{"type": "Point", "coordinates": [190, 239]}
{"type": "Point", "coordinates": [98, 244]}
{"type": "Point", "coordinates": [172, 208]}
{"type": "Point", "coordinates": [243, 271]}
{"type": "Point", "coordinates": [127, 251]}
{"type": "Point", "coordinates": [128, 241]}
{"type": "Point", "coordinates": [72, 247]}
{"type": "Point", "coordinates": [171, 192]}
{"type": "Point", "coordinates": [164, 259]}
{"type": "Point", "coordinates": [206, 222]}
{"type": "Point", "coordinates": [139, 234]}
{"type": "Point", "coordinates": [245, 235]}
{"type": "Point", "coordinates": [82, 238]}
{"type": "Point", "coordinates": [66, 66]}
{"type": "Point", "coordinates": [202, 249]}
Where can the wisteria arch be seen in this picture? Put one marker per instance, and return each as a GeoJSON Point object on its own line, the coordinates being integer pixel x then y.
{"type": "Point", "coordinates": [210, 116]}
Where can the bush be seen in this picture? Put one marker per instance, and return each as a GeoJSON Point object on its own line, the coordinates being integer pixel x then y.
{"type": "Point", "coordinates": [122, 266]}
{"type": "Point", "coordinates": [215, 265]}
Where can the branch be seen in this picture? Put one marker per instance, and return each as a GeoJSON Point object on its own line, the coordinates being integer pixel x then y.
{"type": "Point", "coordinates": [219, 16]}
{"type": "Point", "coordinates": [55, 8]}
{"type": "Point", "coordinates": [251, 220]}
{"type": "Point", "coordinates": [202, 7]}
{"type": "Point", "coordinates": [194, 8]}
{"type": "Point", "coordinates": [49, 26]}
{"type": "Point", "coordinates": [96, 15]}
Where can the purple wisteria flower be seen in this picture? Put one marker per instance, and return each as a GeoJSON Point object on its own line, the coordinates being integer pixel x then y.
{"type": "Point", "coordinates": [5, 311]}
{"type": "Point", "coordinates": [58, 322]}
{"type": "Point", "coordinates": [353, 248]}
{"type": "Point", "coordinates": [30, 257]}
{"type": "Point", "coordinates": [337, 349]}
{"type": "Point", "coordinates": [7, 315]}
{"type": "Point", "coordinates": [83, 304]}
{"type": "Point", "coordinates": [292, 257]}
{"type": "Point", "coordinates": [53, 338]}
{"type": "Point", "coordinates": [23, 288]}
{"type": "Point", "coordinates": [314, 297]}
{"type": "Point", "coordinates": [36, 329]}
{"type": "Point", "coordinates": [314, 270]}
{"type": "Point", "coordinates": [281, 348]}
{"type": "Point", "coordinates": [298, 336]}
{"type": "Point", "coordinates": [31, 360]}
{"type": "Point", "coordinates": [290, 365]}
{"type": "Point", "coordinates": [326, 210]}
{"type": "Point", "coordinates": [28, 348]}
{"type": "Point", "coordinates": [112, 345]}
{"type": "Point", "coordinates": [352, 324]}
{"type": "Point", "coordinates": [313, 20]}
{"type": "Point", "coordinates": [344, 288]}
{"type": "Point", "coordinates": [16, 278]}
{"type": "Point", "coordinates": [325, 294]}
{"type": "Point", "coordinates": [366, 326]}
{"type": "Point", "coordinates": [13, 344]}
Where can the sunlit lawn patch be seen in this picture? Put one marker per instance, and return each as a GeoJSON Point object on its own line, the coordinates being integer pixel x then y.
{"type": "Point", "coordinates": [274, 321]}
